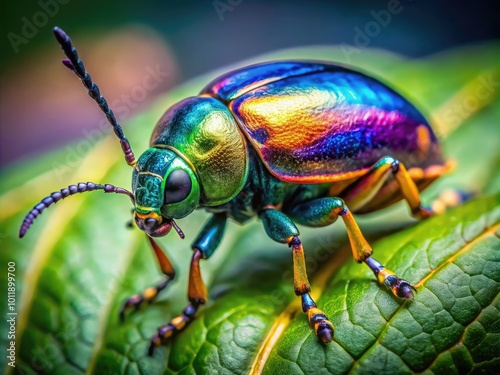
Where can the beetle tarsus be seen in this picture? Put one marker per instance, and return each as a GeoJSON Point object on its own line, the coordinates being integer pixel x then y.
{"type": "Point", "coordinates": [405, 290]}
{"type": "Point", "coordinates": [149, 295]}
{"type": "Point", "coordinates": [155, 341]}
{"type": "Point", "coordinates": [399, 287]}
{"type": "Point", "coordinates": [450, 198]}
{"type": "Point", "coordinates": [176, 325]}
{"type": "Point", "coordinates": [134, 301]}
{"type": "Point", "coordinates": [325, 331]}
{"type": "Point", "coordinates": [317, 318]}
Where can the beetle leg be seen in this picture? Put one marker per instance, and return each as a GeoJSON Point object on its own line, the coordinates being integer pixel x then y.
{"type": "Point", "coordinates": [151, 293]}
{"type": "Point", "coordinates": [450, 198]}
{"type": "Point", "coordinates": [281, 229]}
{"type": "Point", "coordinates": [399, 287]}
{"type": "Point", "coordinates": [197, 295]}
{"type": "Point", "coordinates": [324, 211]}
{"type": "Point", "coordinates": [203, 246]}
{"type": "Point", "coordinates": [317, 318]}
{"type": "Point", "coordinates": [366, 187]}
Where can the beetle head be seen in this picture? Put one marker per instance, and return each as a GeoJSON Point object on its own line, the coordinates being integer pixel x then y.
{"type": "Point", "coordinates": [165, 188]}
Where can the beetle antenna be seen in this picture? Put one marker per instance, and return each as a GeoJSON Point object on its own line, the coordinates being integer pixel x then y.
{"type": "Point", "coordinates": [74, 64]}
{"type": "Point", "coordinates": [81, 187]}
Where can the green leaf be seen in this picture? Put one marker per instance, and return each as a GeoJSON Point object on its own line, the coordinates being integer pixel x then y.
{"type": "Point", "coordinates": [78, 263]}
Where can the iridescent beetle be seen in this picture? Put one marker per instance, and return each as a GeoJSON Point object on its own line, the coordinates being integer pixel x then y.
{"type": "Point", "coordinates": [290, 142]}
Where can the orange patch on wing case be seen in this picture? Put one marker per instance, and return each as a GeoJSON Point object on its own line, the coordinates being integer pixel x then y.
{"type": "Point", "coordinates": [291, 121]}
{"type": "Point", "coordinates": [423, 138]}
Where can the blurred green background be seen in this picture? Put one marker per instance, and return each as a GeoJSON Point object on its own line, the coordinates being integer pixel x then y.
{"type": "Point", "coordinates": [41, 105]}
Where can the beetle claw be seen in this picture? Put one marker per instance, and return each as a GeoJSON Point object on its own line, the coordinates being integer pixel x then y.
{"type": "Point", "coordinates": [325, 331]}
{"type": "Point", "coordinates": [405, 290]}
{"type": "Point", "coordinates": [399, 287]}
{"type": "Point", "coordinates": [423, 213]}
{"type": "Point", "coordinates": [134, 301]}
{"type": "Point", "coordinates": [155, 341]}
{"type": "Point", "coordinates": [164, 333]}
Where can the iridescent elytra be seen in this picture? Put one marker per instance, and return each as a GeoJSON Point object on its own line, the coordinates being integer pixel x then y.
{"type": "Point", "coordinates": [289, 142]}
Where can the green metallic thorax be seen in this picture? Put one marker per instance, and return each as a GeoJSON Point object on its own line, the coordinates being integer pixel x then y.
{"type": "Point", "coordinates": [203, 132]}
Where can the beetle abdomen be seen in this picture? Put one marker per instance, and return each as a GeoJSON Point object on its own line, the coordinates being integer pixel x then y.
{"type": "Point", "coordinates": [330, 124]}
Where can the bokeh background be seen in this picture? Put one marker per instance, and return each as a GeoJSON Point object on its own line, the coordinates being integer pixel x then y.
{"type": "Point", "coordinates": [136, 50]}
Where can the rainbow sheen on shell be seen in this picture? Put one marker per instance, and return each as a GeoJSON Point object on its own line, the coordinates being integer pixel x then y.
{"type": "Point", "coordinates": [314, 122]}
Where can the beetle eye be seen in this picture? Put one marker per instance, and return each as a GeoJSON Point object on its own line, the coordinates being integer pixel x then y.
{"type": "Point", "coordinates": [177, 187]}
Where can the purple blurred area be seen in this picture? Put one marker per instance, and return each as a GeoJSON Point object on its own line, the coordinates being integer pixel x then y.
{"type": "Point", "coordinates": [135, 51]}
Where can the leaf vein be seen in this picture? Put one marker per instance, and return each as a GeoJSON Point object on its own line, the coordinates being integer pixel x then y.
{"type": "Point", "coordinates": [461, 338]}
{"type": "Point", "coordinates": [468, 246]}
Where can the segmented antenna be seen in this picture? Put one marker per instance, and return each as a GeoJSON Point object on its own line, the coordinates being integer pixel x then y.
{"type": "Point", "coordinates": [81, 187]}
{"type": "Point", "coordinates": [74, 64]}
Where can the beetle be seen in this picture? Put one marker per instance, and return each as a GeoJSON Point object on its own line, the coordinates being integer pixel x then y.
{"type": "Point", "coordinates": [289, 142]}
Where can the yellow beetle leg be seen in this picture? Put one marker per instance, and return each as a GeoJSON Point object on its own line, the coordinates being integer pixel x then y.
{"type": "Point", "coordinates": [317, 318]}
{"type": "Point", "coordinates": [197, 294]}
{"type": "Point", "coordinates": [367, 186]}
{"type": "Point", "coordinates": [281, 229]}
{"type": "Point", "coordinates": [197, 291]}
{"type": "Point", "coordinates": [449, 198]}
{"type": "Point", "coordinates": [324, 211]}
{"type": "Point", "coordinates": [150, 294]}
{"type": "Point", "coordinates": [203, 247]}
